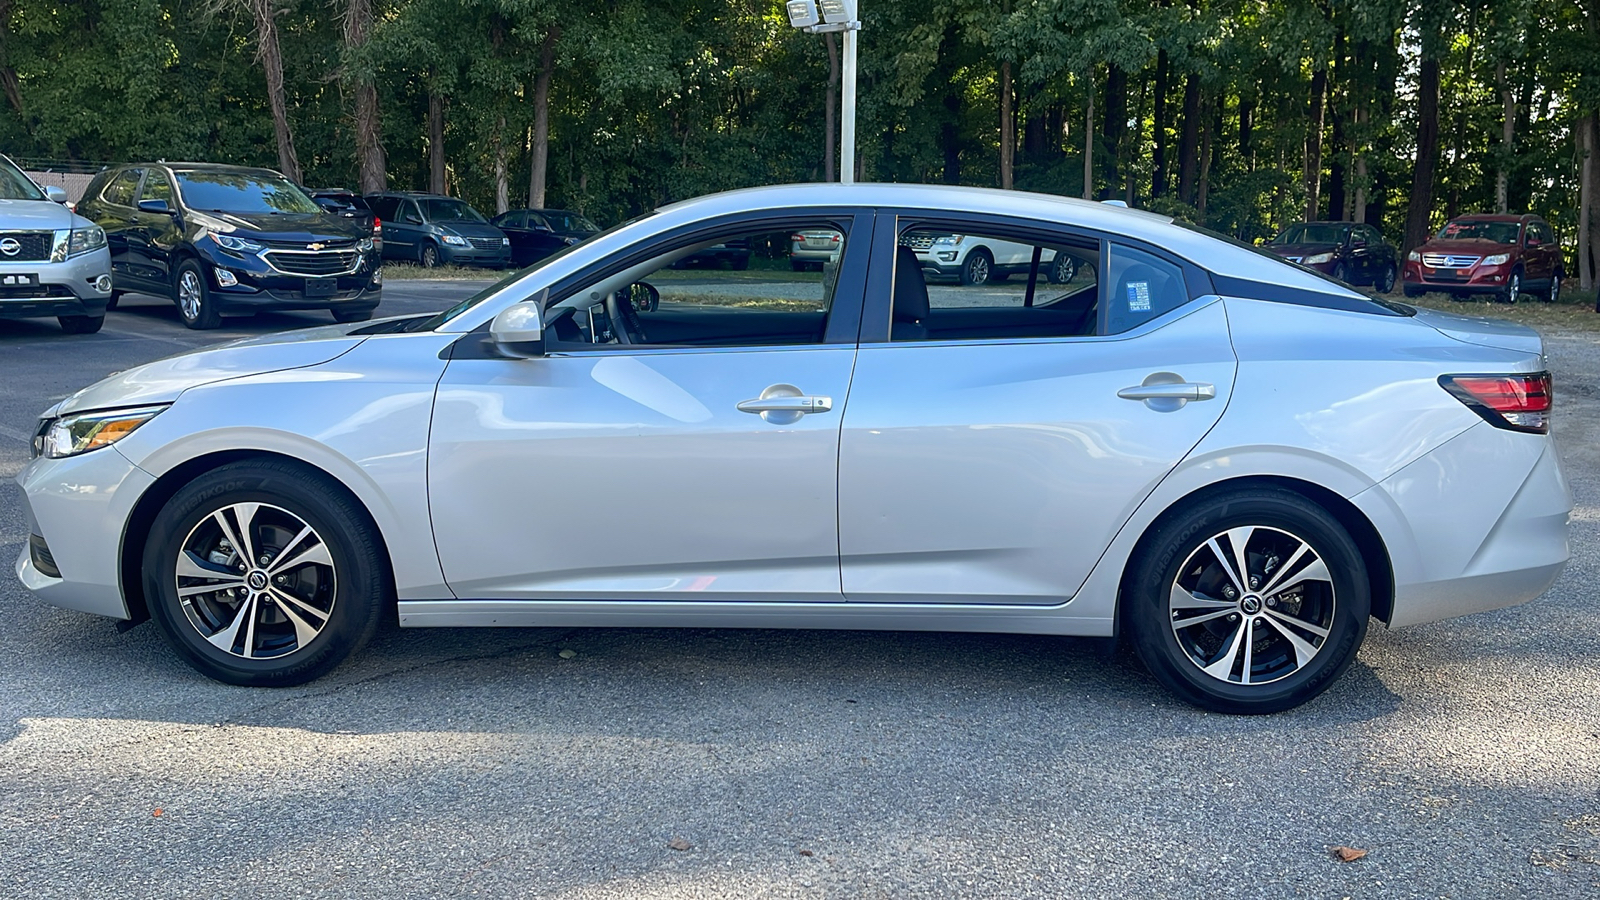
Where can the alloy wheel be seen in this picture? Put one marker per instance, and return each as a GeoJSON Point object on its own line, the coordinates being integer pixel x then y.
{"type": "Point", "coordinates": [978, 269]}
{"type": "Point", "coordinates": [1555, 289]}
{"type": "Point", "coordinates": [255, 581]}
{"type": "Point", "coordinates": [1513, 288]}
{"type": "Point", "coordinates": [189, 294]}
{"type": "Point", "coordinates": [1252, 605]}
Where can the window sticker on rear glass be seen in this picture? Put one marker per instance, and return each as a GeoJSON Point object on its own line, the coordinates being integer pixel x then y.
{"type": "Point", "coordinates": [1138, 296]}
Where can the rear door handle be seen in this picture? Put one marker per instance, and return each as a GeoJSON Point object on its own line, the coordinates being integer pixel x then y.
{"type": "Point", "coordinates": [783, 404]}
{"type": "Point", "coordinates": [1183, 390]}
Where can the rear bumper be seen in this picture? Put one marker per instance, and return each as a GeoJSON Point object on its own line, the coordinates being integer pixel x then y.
{"type": "Point", "coordinates": [1478, 524]}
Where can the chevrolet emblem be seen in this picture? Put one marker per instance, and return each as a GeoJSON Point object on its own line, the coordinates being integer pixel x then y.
{"type": "Point", "coordinates": [317, 246]}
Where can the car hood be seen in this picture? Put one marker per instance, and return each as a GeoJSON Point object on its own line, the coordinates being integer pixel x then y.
{"type": "Point", "coordinates": [163, 380]}
{"type": "Point", "coordinates": [1301, 249]}
{"type": "Point", "coordinates": [472, 229]}
{"type": "Point", "coordinates": [37, 215]}
{"type": "Point", "coordinates": [1483, 331]}
{"type": "Point", "coordinates": [286, 227]}
{"type": "Point", "coordinates": [1475, 247]}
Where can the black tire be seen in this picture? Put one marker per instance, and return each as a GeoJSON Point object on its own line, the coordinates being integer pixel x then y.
{"type": "Point", "coordinates": [799, 265]}
{"type": "Point", "coordinates": [1410, 291]}
{"type": "Point", "coordinates": [1553, 293]}
{"type": "Point", "coordinates": [1176, 554]}
{"type": "Point", "coordinates": [1513, 288]}
{"type": "Point", "coordinates": [115, 299]}
{"type": "Point", "coordinates": [978, 268]}
{"type": "Point", "coordinates": [428, 256]}
{"type": "Point", "coordinates": [81, 324]}
{"type": "Point", "coordinates": [740, 263]}
{"type": "Point", "coordinates": [1341, 274]}
{"type": "Point", "coordinates": [351, 315]}
{"type": "Point", "coordinates": [1383, 283]}
{"type": "Point", "coordinates": [351, 596]}
{"type": "Point", "coordinates": [192, 294]}
{"type": "Point", "coordinates": [1063, 268]}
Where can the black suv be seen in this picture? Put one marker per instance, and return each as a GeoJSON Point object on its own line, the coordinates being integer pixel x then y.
{"type": "Point", "coordinates": [432, 230]}
{"type": "Point", "coordinates": [226, 239]}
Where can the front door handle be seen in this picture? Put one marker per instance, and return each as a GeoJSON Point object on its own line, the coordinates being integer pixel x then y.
{"type": "Point", "coordinates": [783, 404]}
{"type": "Point", "coordinates": [1165, 391]}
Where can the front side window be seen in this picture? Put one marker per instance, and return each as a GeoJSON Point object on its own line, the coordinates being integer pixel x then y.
{"type": "Point", "coordinates": [956, 283]}
{"type": "Point", "coordinates": [14, 185]}
{"type": "Point", "coordinates": [243, 192]}
{"type": "Point", "coordinates": [408, 213]}
{"type": "Point", "coordinates": [1313, 233]}
{"type": "Point", "coordinates": [568, 222]}
{"type": "Point", "coordinates": [735, 290]}
{"type": "Point", "coordinates": [446, 210]}
{"type": "Point", "coordinates": [157, 187]}
{"type": "Point", "coordinates": [123, 188]}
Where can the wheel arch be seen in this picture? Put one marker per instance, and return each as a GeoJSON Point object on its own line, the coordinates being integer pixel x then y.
{"type": "Point", "coordinates": [1380, 570]}
{"type": "Point", "coordinates": [136, 531]}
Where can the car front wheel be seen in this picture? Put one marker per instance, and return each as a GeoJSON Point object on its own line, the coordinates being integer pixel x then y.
{"type": "Point", "coordinates": [977, 269]}
{"type": "Point", "coordinates": [1249, 602]}
{"type": "Point", "coordinates": [263, 573]}
{"type": "Point", "coordinates": [1513, 288]}
{"type": "Point", "coordinates": [429, 257]}
{"type": "Point", "coordinates": [1384, 283]}
{"type": "Point", "coordinates": [81, 324]}
{"type": "Point", "coordinates": [193, 297]}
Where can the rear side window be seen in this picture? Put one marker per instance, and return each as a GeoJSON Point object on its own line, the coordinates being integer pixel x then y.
{"type": "Point", "coordinates": [1141, 287]}
{"type": "Point", "coordinates": [123, 188]}
{"type": "Point", "coordinates": [383, 206]}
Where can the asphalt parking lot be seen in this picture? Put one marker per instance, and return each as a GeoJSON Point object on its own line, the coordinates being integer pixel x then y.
{"type": "Point", "coordinates": [1463, 756]}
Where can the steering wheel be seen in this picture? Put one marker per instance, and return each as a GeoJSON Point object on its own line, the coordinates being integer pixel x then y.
{"type": "Point", "coordinates": [629, 329]}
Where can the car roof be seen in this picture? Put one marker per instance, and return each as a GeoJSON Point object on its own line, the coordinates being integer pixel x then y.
{"type": "Point", "coordinates": [1212, 252]}
{"type": "Point", "coordinates": [1494, 217]}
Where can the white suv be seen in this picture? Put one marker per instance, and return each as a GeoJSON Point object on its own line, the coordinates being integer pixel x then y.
{"type": "Point", "coordinates": [53, 262]}
{"type": "Point", "coordinates": [980, 260]}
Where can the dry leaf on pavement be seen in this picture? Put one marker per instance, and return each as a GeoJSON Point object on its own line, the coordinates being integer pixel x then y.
{"type": "Point", "coordinates": [679, 843]}
{"type": "Point", "coordinates": [1347, 854]}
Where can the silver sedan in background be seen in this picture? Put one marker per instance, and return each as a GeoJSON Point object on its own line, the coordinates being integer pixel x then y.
{"type": "Point", "coordinates": [1230, 461]}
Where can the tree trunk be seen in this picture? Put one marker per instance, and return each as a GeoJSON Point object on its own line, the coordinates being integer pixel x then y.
{"type": "Point", "coordinates": [1247, 120]}
{"type": "Point", "coordinates": [1314, 125]}
{"type": "Point", "coordinates": [1008, 129]}
{"type": "Point", "coordinates": [950, 138]}
{"type": "Point", "coordinates": [1358, 210]}
{"type": "Point", "coordinates": [1587, 139]}
{"type": "Point", "coordinates": [502, 182]}
{"type": "Point", "coordinates": [371, 167]}
{"type": "Point", "coordinates": [8, 73]}
{"type": "Point", "coordinates": [265, 13]}
{"type": "Point", "coordinates": [1203, 194]}
{"type": "Point", "coordinates": [1088, 136]}
{"type": "Point", "coordinates": [1116, 125]}
{"type": "Point", "coordinates": [436, 183]}
{"type": "Point", "coordinates": [1158, 160]}
{"type": "Point", "coordinates": [1502, 178]}
{"type": "Point", "coordinates": [1189, 142]}
{"type": "Point", "coordinates": [540, 152]}
{"type": "Point", "coordinates": [831, 110]}
{"type": "Point", "coordinates": [1419, 213]}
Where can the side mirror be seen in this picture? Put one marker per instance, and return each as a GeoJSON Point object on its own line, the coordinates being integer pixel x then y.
{"type": "Point", "coordinates": [155, 206]}
{"type": "Point", "coordinates": [518, 331]}
{"type": "Point", "coordinates": [55, 194]}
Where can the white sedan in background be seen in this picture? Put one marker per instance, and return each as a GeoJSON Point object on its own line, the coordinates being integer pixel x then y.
{"type": "Point", "coordinates": [1229, 460]}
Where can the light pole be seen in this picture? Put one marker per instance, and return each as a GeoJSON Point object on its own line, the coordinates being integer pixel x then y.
{"type": "Point", "coordinates": [820, 17]}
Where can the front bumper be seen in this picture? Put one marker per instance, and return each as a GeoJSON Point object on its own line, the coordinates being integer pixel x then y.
{"type": "Point", "coordinates": [69, 288]}
{"type": "Point", "coordinates": [1480, 279]}
{"type": "Point", "coordinates": [472, 256]}
{"type": "Point", "coordinates": [78, 506]}
{"type": "Point", "coordinates": [258, 286]}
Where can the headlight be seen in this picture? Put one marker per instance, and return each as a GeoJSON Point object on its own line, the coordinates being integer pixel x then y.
{"type": "Point", "coordinates": [83, 240]}
{"type": "Point", "coordinates": [72, 435]}
{"type": "Point", "coordinates": [236, 244]}
{"type": "Point", "coordinates": [364, 245]}
{"type": "Point", "coordinates": [569, 241]}
{"type": "Point", "coordinates": [505, 242]}
{"type": "Point", "coordinates": [1499, 259]}
{"type": "Point", "coordinates": [949, 239]}
{"type": "Point", "coordinates": [1414, 256]}
{"type": "Point", "coordinates": [1319, 258]}
{"type": "Point", "coordinates": [455, 240]}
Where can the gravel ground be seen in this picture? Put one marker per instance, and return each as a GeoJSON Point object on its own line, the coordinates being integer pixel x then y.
{"type": "Point", "coordinates": [1465, 756]}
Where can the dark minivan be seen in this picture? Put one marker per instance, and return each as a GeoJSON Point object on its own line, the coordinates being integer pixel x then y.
{"type": "Point", "coordinates": [229, 240]}
{"type": "Point", "coordinates": [433, 230]}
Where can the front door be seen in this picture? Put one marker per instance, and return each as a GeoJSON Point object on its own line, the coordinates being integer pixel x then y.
{"type": "Point", "coordinates": [678, 441]}
{"type": "Point", "coordinates": [993, 448]}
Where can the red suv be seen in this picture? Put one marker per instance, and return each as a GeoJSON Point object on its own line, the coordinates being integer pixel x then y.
{"type": "Point", "coordinates": [1485, 254]}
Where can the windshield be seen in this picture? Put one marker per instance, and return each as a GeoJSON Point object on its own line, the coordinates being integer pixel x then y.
{"type": "Point", "coordinates": [1313, 233]}
{"type": "Point", "coordinates": [445, 210]}
{"type": "Point", "coordinates": [1498, 232]}
{"type": "Point", "coordinates": [569, 222]}
{"type": "Point", "coordinates": [243, 192]}
{"type": "Point", "coordinates": [16, 186]}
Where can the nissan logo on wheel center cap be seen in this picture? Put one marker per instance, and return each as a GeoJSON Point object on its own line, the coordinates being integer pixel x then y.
{"type": "Point", "coordinates": [256, 580]}
{"type": "Point", "coordinates": [1251, 604]}
{"type": "Point", "coordinates": [10, 246]}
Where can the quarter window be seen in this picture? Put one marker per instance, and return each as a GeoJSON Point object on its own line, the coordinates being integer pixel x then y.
{"type": "Point", "coordinates": [1142, 287]}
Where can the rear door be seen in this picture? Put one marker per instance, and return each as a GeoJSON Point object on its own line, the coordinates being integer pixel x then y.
{"type": "Point", "coordinates": [985, 458]}
{"type": "Point", "coordinates": [119, 219]}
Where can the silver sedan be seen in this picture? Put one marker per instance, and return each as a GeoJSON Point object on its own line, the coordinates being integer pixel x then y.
{"type": "Point", "coordinates": [1230, 461]}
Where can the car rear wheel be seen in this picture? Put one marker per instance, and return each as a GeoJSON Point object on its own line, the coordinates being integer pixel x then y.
{"type": "Point", "coordinates": [193, 297]}
{"type": "Point", "coordinates": [977, 268]}
{"type": "Point", "coordinates": [81, 324]}
{"type": "Point", "coordinates": [1249, 602]}
{"type": "Point", "coordinates": [429, 256]}
{"type": "Point", "coordinates": [1384, 283]}
{"type": "Point", "coordinates": [262, 573]}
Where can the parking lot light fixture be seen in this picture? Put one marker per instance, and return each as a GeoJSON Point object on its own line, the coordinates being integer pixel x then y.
{"type": "Point", "coordinates": [820, 17]}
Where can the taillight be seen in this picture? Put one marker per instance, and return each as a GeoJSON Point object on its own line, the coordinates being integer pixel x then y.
{"type": "Point", "coordinates": [377, 226]}
{"type": "Point", "coordinates": [1517, 402]}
